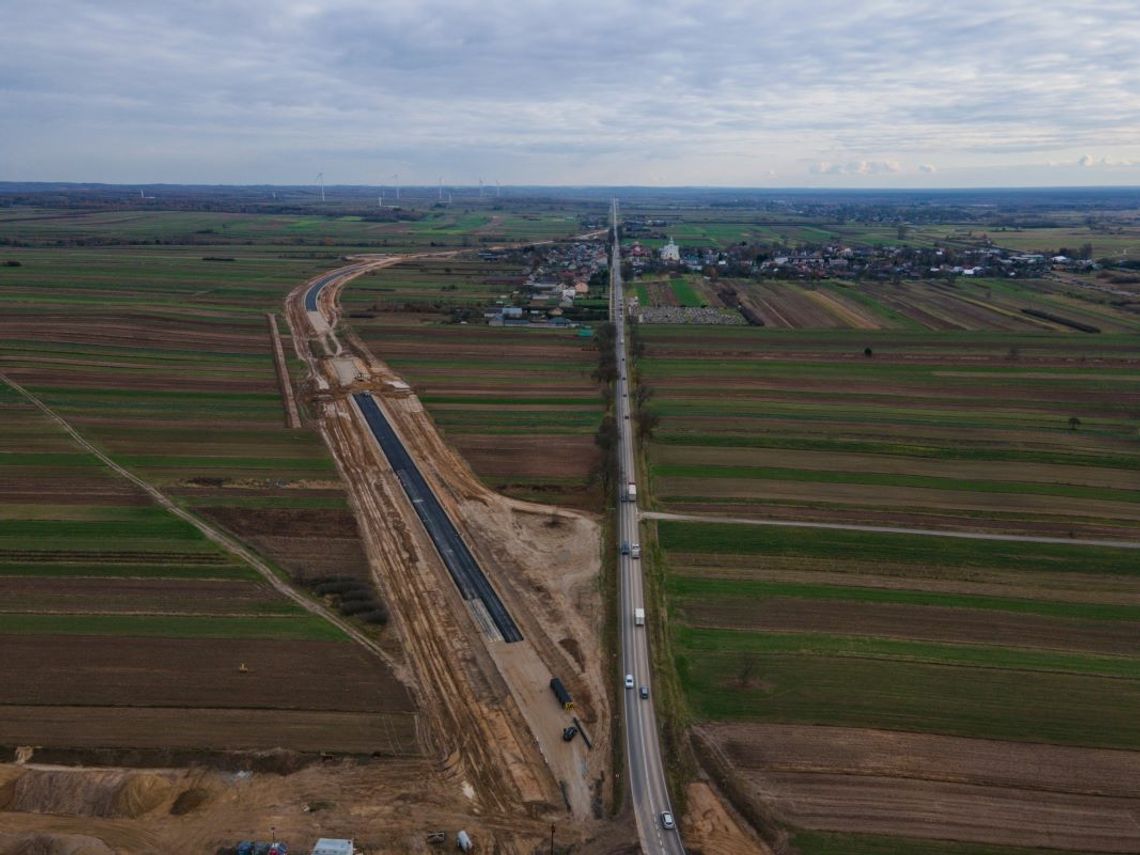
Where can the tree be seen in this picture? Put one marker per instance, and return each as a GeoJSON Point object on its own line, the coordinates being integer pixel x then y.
{"type": "Point", "coordinates": [868, 352]}
{"type": "Point", "coordinates": [1074, 423]}
{"type": "Point", "coordinates": [647, 421]}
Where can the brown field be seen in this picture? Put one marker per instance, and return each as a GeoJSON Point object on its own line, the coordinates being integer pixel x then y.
{"type": "Point", "coordinates": [199, 729]}
{"type": "Point", "coordinates": [845, 309]}
{"type": "Point", "coordinates": [308, 543]}
{"type": "Point", "coordinates": [1090, 476]}
{"type": "Point", "coordinates": [774, 492]}
{"type": "Point", "coordinates": [134, 596]}
{"type": "Point", "coordinates": [661, 294]}
{"type": "Point", "coordinates": [929, 623]}
{"type": "Point", "coordinates": [191, 673]}
{"type": "Point", "coordinates": [527, 457]}
{"type": "Point", "coordinates": [855, 780]}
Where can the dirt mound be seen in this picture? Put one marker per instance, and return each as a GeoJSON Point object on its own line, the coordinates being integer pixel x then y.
{"type": "Point", "coordinates": [140, 794]}
{"type": "Point", "coordinates": [190, 800]}
{"type": "Point", "coordinates": [91, 793]}
{"type": "Point", "coordinates": [52, 844]}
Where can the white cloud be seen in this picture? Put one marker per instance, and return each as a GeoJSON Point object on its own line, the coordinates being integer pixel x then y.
{"type": "Point", "coordinates": [855, 167]}
{"type": "Point", "coordinates": [619, 91]}
{"type": "Point", "coordinates": [927, 168]}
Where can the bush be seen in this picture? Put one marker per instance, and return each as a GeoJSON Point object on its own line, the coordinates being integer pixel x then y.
{"type": "Point", "coordinates": [357, 590]}
{"type": "Point", "coordinates": [339, 587]}
{"type": "Point", "coordinates": [378, 616]}
{"type": "Point", "coordinates": [357, 607]}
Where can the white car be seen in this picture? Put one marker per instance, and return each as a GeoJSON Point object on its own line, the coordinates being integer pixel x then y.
{"type": "Point", "coordinates": [667, 821]}
{"type": "Point", "coordinates": [629, 681]}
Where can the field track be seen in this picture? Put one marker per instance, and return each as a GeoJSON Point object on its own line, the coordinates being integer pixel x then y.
{"type": "Point", "coordinates": [223, 540]}
{"type": "Point", "coordinates": [880, 529]}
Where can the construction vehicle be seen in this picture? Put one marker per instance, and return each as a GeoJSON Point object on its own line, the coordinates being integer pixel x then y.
{"type": "Point", "coordinates": [560, 692]}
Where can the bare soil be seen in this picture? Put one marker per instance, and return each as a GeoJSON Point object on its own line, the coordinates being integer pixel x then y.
{"type": "Point", "coordinates": [386, 809]}
{"type": "Point", "coordinates": [711, 827]}
{"type": "Point", "coordinates": [857, 780]}
{"type": "Point", "coordinates": [129, 729]}
{"type": "Point", "coordinates": [193, 673]}
{"type": "Point", "coordinates": [860, 495]}
{"type": "Point", "coordinates": [133, 596]}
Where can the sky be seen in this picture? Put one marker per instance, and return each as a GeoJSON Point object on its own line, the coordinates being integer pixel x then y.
{"type": "Point", "coordinates": [812, 93]}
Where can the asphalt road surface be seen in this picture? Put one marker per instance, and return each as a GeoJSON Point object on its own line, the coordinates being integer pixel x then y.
{"type": "Point", "coordinates": [473, 585]}
{"type": "Point", "coordinates": [642, 746]}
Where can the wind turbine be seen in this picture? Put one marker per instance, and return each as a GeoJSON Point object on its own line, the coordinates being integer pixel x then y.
{"type": "Point", "coordinates": [441, 188]}
{"type": "Point", "coordinates": [396, 179]}
{"type": "Point", "coordinates": [498, 188]}
{"type": "Point", "coordinates": [480, 188]}
{"type": "Point", "coordinates": [321, 181]}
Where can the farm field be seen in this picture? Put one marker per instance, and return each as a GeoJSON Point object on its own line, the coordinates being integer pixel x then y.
{"type": "Point", "coordinates": [961, 430]}
{"type": "Point", "coordinates": [383, 232]}
{"type": "Point", "coordinates": [978, 305]}
{"type": "Point", "coordinates": [902, 693]}
{"type": "Point", "coordinates": [162, 359]}
{"type": "Point", "coordinates": [520, 405]}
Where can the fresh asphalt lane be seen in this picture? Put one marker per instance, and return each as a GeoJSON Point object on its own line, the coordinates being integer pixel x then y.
{"type": "Point", "coordinates": [642, 749]}
{"type": "Point", "coordinates": [461, 564]}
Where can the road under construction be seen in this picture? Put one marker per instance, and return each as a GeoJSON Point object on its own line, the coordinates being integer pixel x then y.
{"type": "Point", "coordinates": [489, 603]}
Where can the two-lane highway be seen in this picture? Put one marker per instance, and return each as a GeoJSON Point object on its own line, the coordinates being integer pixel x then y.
{"type": "Point", "coordinates": [642, 748]}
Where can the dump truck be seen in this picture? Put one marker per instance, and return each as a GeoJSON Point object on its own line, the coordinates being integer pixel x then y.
{"type": "Point", "coordinates": [560, 692]}
{"type": "Point", "coordinates": [639, 617]}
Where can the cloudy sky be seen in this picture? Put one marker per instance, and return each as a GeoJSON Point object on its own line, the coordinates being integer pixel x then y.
{"type": "Point", "coordinates": [768, 93]}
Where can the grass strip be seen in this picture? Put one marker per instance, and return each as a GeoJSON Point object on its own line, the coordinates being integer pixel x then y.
{"type": "Point", "coordinates": [728, 538]}
{"type": "Point", "coordinates": [703, 588]}
{"type": "Point", "coordinates": [701, 639]}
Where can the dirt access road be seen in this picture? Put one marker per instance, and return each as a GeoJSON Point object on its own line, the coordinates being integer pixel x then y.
{"type": "Point", "coordinates": [490, 717]}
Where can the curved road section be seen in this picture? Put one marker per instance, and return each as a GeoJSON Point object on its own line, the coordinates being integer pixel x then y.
{"type": "Point", "coordinates": [474, 586]}
{"type": "Point", "coordinates": [642, 748]}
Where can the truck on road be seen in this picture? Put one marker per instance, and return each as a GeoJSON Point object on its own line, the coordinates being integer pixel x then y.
{"type": "Point", "coordinates": [639, 617]}
{"type": "Point", "coordinates": [631, 492]}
